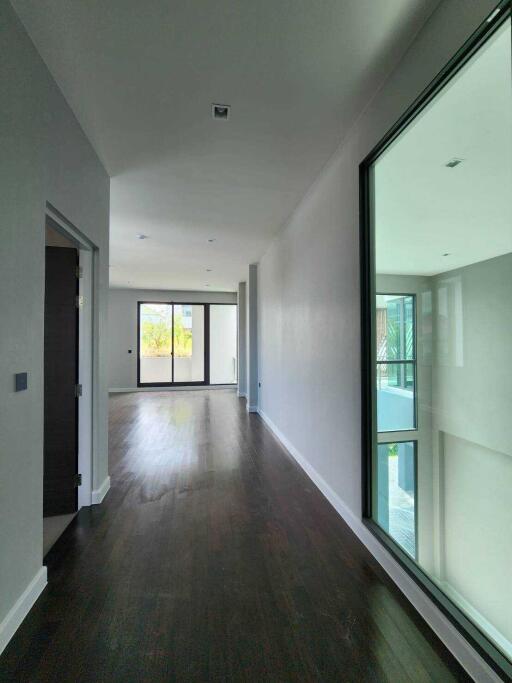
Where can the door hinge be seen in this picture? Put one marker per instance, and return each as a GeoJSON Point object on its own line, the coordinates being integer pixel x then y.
{"type": "Point", "coordinates": [79, 301]}
{"type": "Point", "coordinates": [79, 272]}
{"type": "Point", "coordinates": [78, 390]}
{"type": "Point", "coordinates": [78, 480]}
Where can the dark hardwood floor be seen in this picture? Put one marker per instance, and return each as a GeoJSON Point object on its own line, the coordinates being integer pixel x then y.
{"type": "Point", "coordinates": [214, 558]}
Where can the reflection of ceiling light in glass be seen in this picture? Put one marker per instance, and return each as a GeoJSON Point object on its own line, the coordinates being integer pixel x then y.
{"type": "Point", "coordinates": [493, 14]}
{"type": "Point", "coordinates": [454, 162]}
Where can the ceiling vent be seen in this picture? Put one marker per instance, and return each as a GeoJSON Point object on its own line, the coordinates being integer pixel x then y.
{"type": "Point", "coordinates": [221, 111]}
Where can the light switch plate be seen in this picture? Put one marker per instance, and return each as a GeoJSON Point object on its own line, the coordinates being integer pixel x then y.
{"type": "Point", "coordinates": [21, 381]}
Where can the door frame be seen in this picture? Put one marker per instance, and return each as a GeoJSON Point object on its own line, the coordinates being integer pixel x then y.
{"type": "Point", "coordinates": [87, 327]}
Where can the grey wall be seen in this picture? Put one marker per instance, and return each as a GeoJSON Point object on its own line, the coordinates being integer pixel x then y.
{"type": "Point", "coordinates": [122, 315]}
{"type": "Point", "coordinates": [308, 295]}
{"type": "Point", "coordinates": [44, 156]}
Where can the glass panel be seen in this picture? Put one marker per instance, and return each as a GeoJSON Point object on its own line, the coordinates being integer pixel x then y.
{"type": "Point", "coordinates": [188, 343]}
{"type": "Point", "coordinates": [155, 326]}
{"type": "Point", "coordinates": [395, 327]}
{"type": "Point", "coordinates": [396, 476]}
{"type": "Point", "coordinates": [440, 208]}
{"type": "Point", "coordinates": [395, 396]}
{"type": "Point", "coordinates": [223, 344]}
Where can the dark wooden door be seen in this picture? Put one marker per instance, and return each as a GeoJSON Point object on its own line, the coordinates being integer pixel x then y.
{"type": "Point", "coordinates": [60, 379]}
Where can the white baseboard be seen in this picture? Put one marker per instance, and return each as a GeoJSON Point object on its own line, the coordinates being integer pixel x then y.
{"type": "Point", "coordinates": [194, 387]}
{"type": "Point", "coordinates": [469, 659]}
{"type": "Point", "coordinates": [99, 494]}
{"type": "Point", "coordinates": [252, 409]}
{"type": "Point", "coordinates": [21, 608]}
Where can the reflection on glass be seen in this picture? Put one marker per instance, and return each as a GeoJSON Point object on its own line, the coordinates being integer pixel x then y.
{"type": "Point", "coordinates": [395, 344]}
{"type": "Point", "coordinates": [442, 339]}
{"type": "Point", "coordinates": [396, 493]}
{"type": "Point", "coordinates": [188, 343]}
{"type": "Point", "coordinates": [155, 359]}
{"type": "Point", "coordinates": [395, 327]}
{"type": "Point", "coordinates": [395, 396]}
{"type": "Point", "coordinates": [223, 343]}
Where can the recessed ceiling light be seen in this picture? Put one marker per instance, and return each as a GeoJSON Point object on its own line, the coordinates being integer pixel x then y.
{"type": "Point", "coordinates": [447, 254]}
{"type": "Point", "coordinates": [207, 285]}
{"type": "Point", "coordinates": [221, 111]}
{"type": "Point", "coordinates": [212, 239]}
{"type": "Point", "coordinates": [208, 270]}
{"type": "Point", "coordinates": [454, 162]}
{"type": "Point", "coordinates": [141, 236]}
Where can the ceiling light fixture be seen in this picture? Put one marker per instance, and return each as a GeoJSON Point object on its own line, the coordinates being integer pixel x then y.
{"type": "Point", "coordinates": [221, 112]}
{"type": "Point", "coordinates": [141, 236]}
{"type": "Point", "coordinates": [212, 239]}
{"type": "Point", "coordinates": [447, 254]}
{"type": "Point", "coordinates": [208, 270]}
{"type": "Point", "coordinates": [454, 162]}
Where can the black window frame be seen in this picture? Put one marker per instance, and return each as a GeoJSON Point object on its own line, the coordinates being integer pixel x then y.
{"type": "Point", "coordinates": [470, 631]}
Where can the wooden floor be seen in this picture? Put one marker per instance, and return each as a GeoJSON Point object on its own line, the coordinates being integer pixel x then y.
{"type": "Point", "coordinates": [214, 558]}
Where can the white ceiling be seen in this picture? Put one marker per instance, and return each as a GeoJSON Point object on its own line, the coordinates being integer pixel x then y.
{"type": "Point", "coordinates": [141, 78]}
{"type": "Point", "coordinates": [423, 209]}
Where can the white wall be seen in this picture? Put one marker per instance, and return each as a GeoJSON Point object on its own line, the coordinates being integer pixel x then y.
{"type": "Point", "coordinates": [252, 338]}
{"type": "Point", "coordinates": [122, 313]}
{"type": "Point", "coordinates": [308, 294]}
{"type": "Point", "coordinates": [472, 436]}
{"type": "Point", "coordinates": [44, 156]}
{"type": "Point", "coordinates": [242, 339]}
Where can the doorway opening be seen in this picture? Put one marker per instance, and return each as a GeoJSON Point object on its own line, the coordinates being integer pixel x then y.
{"type": "Point", "coordinates": [68, 376]}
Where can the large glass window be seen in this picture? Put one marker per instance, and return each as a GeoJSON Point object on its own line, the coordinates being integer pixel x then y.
{"type": "Point", "coordinates": [189, 343]}
{"type": "Point", "coordinates": [182, 343]}
{"type": "Point", "coordinates": [396, 477]}
{"type": "Point", "coordinates": [223, 344]}
{"type": "Point", "coordinates": [396, 362]}
{"type": "Point", "coordinates": [171, 343]}
{"type": "Point", "coordinates": [437, 321]}
{"type": "Point", "coordinates": [155, 345]}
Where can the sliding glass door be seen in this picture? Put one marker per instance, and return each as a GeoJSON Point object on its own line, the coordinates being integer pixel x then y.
{"type": "Point", "coordinates": [189, 343]}
{"type": "Point", "coordinates": [171, 344]}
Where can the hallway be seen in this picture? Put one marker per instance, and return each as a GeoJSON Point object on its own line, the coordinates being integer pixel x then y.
{"type": "Point", "coordinates": [214, 558]}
